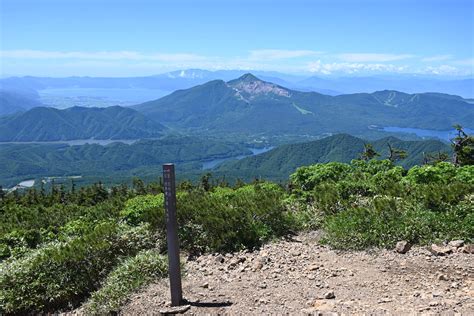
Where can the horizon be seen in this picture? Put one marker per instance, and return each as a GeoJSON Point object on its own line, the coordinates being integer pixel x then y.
{"type": "Point", "coordinates": [258, 73]}
{"type": "Point", "coordinates": [318, 38]}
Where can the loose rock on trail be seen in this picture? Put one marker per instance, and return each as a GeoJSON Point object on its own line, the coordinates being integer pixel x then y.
{"type": "Point", "coordinates": [299, 276]}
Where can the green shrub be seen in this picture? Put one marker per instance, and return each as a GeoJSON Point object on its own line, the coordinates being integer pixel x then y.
{"type": "Point", "coordinates": [388, 181]}
{"type": "Point", "coordinates": [126, 278]}
{"type": "Point", "coordinates": [387, 221]}
{"type": "Point", "coordinates": [373, 166]}
{"type": "Point", "coordinates": [442, 172]}
{"type": "Point", "coordinates": [62, 274]}
{"type": "Point", "coordinates": [226, 219]}
{"type": "Point", "coordinates": [145, 208]}
{"type": "Point", "coordinates": [306, 178]}
{"type": "Point", "coordinates": [465, 174]}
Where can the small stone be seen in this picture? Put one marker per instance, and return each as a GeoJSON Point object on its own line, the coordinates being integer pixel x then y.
{"type": "Point", "coordinates": [402, 246]}
{"type": "Point", "coordinates": [234, 262]}
{"type": "Point", "coordinates": [262, 286]}
{"type": "Point", "coordinates": [384, 300]}
{"type": "Point", "coordinates": [440, 250]}
{"type": "Point", "coordinates": [313, 267]}
{"type": "Point", "coordinates": [456, 243]}
{"type": "Point", "coordinates": [175, 310]}
{"type": "Point", "coordinates": [219, 259]}
{"type": "Point", "coordinates": [258, 265]}
{"type": "Point", "coordinates": [329, 295]}
{"type": "Point", "coordinates": [443, 277]}
{"type": "Point", "coordinates": [205, 285]}
{"type": "Point", "coordinates": [468, 249]}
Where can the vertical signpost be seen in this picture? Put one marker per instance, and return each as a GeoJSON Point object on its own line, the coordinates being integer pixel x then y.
{"type": "Point", "coordinates": [172, 234]}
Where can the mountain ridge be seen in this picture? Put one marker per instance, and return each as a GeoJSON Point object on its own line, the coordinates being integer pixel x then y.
{"type": "Point", "coordinates": [248, 104]}
{"type": "Point", "coordinates": [50, 124]}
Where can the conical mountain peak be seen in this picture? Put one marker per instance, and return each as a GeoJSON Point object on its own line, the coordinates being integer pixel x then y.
{"type": "Point", "coordinates": [250, 86]}
{"type": "Point", "coordinates": [248, 77]}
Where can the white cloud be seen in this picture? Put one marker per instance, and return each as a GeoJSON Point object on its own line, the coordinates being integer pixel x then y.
{"type": "Point", "coordinates": [290, 61]}
{"type": "Point", "coordinates": [273, 54]}
{"type": "Point", "coordinates": [443, 70]}
{"type": "Point", "coordinates": [464, 62]}
{"type": "Point", "coordinates": [352, 68]}
{"type": "Point", "coordinates": [372, 57]}
{"type": "Point", "coordinates": [436, 58]}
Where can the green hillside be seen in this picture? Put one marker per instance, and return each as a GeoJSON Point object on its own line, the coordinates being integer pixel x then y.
{"type": "Point", "coordinates": [48, 124]}
{"type": "Point", "coordinates": [249, 105]}
{"type": "Point", "coordinates": [114, 163]}
{"type": "Point", "coordinates": [280, 162]}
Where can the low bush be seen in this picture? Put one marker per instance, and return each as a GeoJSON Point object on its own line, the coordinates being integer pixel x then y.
{"type": "Point", "coordinates": [126, 278]}
{"type": "Point", "coordinates": [387, 220]}
{"type": "Point", "coordinates": [145, 209]}
{"type": "Point", "coordinates": [227, 219]}
{"type": "Point", "coordinates": [376, 204]}
{"type": "Point", "coordinates": [61, 274]}
{"type": "Point", "coordinates": [224, 219]}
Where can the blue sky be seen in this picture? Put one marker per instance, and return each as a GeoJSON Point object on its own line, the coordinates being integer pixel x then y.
{"type": "Point", "coordinates": [138, 37]}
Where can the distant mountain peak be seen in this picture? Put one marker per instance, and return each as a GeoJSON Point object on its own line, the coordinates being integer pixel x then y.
{"type": "Point", "coordinates": [249, 86]}
{"type": "Point", "coordinates": [248, 77]}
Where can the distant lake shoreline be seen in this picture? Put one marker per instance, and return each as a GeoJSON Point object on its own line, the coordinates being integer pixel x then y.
{"type": "Point", "coordinates": [211, 164]}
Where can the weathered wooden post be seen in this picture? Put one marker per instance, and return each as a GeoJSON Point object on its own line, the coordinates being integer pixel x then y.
{"type": "Point", "coordinates": [172, 234]}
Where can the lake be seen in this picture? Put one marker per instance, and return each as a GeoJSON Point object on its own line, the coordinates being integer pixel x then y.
{"type": "Point", "coordinates": [426, 133]}
{"type": "Point", "coordinates": [23, 184]}
{"type": "Point", "coordinates": [27, 183]}
{"type": "Point", "coordinates": [210, 164]}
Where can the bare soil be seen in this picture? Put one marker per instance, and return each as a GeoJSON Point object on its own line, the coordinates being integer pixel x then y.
{"type": "Point", "coordinates": [300, 276]}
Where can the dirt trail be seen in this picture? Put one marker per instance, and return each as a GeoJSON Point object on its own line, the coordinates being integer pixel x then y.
{"type": "Point", "coordinates": [302, 277]}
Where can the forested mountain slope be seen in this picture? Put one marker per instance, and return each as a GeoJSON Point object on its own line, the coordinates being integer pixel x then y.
{"type": "Point", "coordinates": [250, 105]}
{"type": "Point", "coordinates": [282, 161]}
{"type": "Point", "coordinates": [49, 124]}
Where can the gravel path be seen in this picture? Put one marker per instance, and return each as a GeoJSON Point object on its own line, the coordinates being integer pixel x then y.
{"type": "Point", "coordinates": [300, 276]}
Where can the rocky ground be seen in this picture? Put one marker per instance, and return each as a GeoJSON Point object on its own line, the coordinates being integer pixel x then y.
{"type": "Point", "coordinates": [300, 276]}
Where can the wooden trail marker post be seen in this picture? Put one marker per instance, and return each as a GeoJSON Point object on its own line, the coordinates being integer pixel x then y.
{"type": "Point", "coordinates": [172, 234]}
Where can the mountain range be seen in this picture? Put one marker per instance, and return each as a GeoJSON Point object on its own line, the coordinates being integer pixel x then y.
{"type": "Point", "coordinates": [49, 124]}
{"type": "Point", "coordinates": [244, 106]}
{"type": "Point", "coordinates": [407, 83]}
{"type": "Point", "coordinates": [182, 79]}
{"type": "Point", "coordinates": [280, 162]}
{"type": "Point", "coordinates": [253, 106]}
